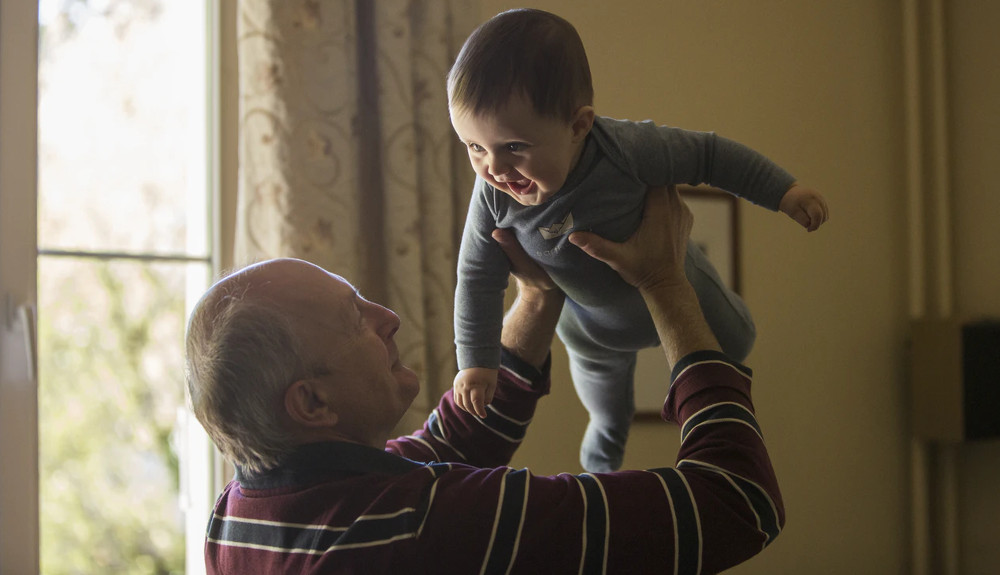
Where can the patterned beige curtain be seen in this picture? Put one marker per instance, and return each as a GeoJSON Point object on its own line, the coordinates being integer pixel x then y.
{"type": "Point", "coordinates": [347, 158]}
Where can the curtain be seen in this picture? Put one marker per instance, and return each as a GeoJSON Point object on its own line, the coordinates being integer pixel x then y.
{"type": "Point", "coordinates": [348, 160]}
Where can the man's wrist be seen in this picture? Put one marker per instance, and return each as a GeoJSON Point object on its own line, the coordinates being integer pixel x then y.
{"type": "Point", "coordinates": [679, 320]}
{"type": "Point", "coordinates": [530, 324]}
{"type": "Point", "coordinates": [534, 375]}
{"type": "Point", "coordinates": [537, 299]}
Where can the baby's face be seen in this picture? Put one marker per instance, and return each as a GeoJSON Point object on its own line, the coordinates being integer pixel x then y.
{"type": "Point", "coordinates": [518, 151]}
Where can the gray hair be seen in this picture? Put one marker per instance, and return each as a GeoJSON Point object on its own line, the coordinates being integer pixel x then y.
{"type": "Point", "coordinates": [242, 354]}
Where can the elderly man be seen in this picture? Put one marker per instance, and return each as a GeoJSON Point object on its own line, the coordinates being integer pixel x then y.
{"type": "Point", "coordinates": [297, 379]}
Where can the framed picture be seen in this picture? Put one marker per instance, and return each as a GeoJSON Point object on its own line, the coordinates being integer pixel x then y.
{"type": "Point", "coordinates": [716, 233]}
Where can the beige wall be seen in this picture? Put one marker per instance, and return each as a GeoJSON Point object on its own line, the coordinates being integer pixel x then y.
{"type": "Point", "coordinates": [975, 139]}
{"type": "Point", "coordinates": [817, 86]}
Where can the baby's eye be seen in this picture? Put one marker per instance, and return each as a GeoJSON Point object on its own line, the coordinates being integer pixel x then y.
{"type": "Point", "coordinates": [515, 147]}
{"type": "Point", "coordinates": [476, 148]}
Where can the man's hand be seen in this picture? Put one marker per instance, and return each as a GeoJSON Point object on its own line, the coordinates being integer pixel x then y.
{"type": "Point", "coordinates": [527, 272]}
{"type": "Point", "coordinates": [653, 261]}
{"type": "Point", "coordinates": [655, 253]}
{"type": "Point", "coordinates": [806, 206]}
{"type": "Point", "coordinates": [474, 388]}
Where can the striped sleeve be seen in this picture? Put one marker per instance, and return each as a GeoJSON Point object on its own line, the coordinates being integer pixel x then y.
{"type": "Point", "coordinates": [687, 548]}
{"type": "Point", "coordinates": [451, 434]}
{"type": "Point", "coordinates": [508, 523]}
{"type": "Point", "coordinates": [596, 525]}
{"type": "Point", "coordinates": [723, 493]}
{"type": "Point", "coordinates": [718, 506]}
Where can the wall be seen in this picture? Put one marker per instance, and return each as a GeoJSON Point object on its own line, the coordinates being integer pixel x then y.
{"type": "Point", "coordinates": [817, 87]}
{"type": "Point", "coordinates": [974, 48]}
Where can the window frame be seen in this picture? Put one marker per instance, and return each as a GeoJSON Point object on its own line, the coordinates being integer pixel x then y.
{"type": "Point", "coordinates": [18, 382]}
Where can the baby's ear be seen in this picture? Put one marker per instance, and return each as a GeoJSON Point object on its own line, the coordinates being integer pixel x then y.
{"type": "Point", "coordinates": [583, 120]}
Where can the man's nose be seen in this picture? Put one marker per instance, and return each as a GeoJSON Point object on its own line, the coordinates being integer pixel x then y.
{"type": "Point", "coordinates": [388, 322]}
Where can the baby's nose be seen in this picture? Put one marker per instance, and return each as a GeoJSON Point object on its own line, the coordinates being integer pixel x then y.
{"type": "Point", "coordinates": [498, 167]}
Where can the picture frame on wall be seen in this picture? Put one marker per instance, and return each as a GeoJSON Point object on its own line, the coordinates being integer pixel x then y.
{"type": "Point", "coordinates": [716, 233]}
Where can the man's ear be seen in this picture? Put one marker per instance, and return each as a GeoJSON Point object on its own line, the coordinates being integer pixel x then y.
{"type": "Point", "coordinates": [583, 120]}
{"type": "Point", "coordinates": [308, 404]}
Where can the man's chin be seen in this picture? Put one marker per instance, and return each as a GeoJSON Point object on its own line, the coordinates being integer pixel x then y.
{"type": "Point", "coordinates": [408, 380]}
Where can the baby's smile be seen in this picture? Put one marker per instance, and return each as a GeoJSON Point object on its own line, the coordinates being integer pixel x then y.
{"type": "Point", "coordinates": [520, 187]}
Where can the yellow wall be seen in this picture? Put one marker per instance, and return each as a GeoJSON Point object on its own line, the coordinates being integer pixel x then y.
{"type": "Point", "coordinates": [975, 141]}
{"type": "Point", "coordinates": [817, 86]}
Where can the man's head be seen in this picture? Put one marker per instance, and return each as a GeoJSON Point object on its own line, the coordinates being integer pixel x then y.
{"type": "Point", "coordinates": [520, 99]}
{"type": "Point", "coordinates": [284, 353]}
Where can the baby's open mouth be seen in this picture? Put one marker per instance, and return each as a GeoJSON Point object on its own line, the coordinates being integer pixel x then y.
{"type": "Point", "coordinates": [520, 187]}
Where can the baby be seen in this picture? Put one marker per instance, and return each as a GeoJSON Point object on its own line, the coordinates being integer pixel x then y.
{"type": "Point", "coordinates": [521, 100]}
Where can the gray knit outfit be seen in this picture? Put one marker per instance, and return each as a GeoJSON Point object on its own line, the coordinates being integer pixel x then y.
{"type": "Point", "coordinates": [605, 320]}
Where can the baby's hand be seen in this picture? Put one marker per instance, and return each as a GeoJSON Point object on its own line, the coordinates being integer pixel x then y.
{"type": "Point", "coordinates": [474, 389]}
{"type": "Point", "coordinates": [806, 206]}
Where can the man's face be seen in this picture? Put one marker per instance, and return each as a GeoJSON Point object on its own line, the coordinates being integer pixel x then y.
{"type": "Point", "coordinates": [525, 155]}
{"type": "Point", "coordinates": [353, 340]}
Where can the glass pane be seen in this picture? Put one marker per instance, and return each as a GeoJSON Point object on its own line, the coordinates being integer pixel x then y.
{"type": "Point", "coordinates": [122, 102]}
{"type": "Point", "coordinates": [111, 381]}
{"type": "Point", "coordinates": [123, 167]}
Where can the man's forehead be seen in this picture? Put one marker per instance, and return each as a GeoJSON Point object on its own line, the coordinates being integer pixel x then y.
{"type": "Point", "coordinates": [284, 279]}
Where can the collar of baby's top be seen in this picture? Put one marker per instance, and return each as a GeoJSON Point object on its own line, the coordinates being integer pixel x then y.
{"type": "Point", "coordinates": [315, 461]}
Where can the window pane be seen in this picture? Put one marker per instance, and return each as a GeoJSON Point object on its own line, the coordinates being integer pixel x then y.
{"type": "Point", "coordinates": [111, 380]}
{"type": "Point", "coordinates": [121, 123]}
{"type": "Point", "coordinates": [123, 158]}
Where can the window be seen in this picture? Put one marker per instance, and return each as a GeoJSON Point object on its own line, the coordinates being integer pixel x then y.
{"type": "Point", "coordinates": [125, 188]}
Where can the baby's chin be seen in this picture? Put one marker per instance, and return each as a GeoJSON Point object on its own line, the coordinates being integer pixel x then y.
{"type": "Point", "coordinates": [528, 200]}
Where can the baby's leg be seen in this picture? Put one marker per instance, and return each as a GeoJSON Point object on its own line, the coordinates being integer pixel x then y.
{"type": "Point", "coordinates": [604, 382]}
{"type": "Point", "coordinates": [725, 311]}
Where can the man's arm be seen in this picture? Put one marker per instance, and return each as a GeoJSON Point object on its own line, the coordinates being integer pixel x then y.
{"type": "Point", "coordinates": [717, 507]}
{"type": "Point", "coordinates": [725, 502]}
{"type": "Point", "coordinates": [451, 433]}
{"type": "Point", "coordinates": [530, 324]}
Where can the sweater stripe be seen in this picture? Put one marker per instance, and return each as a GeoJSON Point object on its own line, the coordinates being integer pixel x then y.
{"type": "Point", "coordinates": [366, 531]}
{"type": "Point", "coordinates": [759, 502]}
{"type": "Point", "coordinates": [709, 357]}
{"type": "Point", "coordinates": [506, 427]}
{"type": "Point", "coordinates": [437, 432]}
{"type": "Point", "coordinates": [687, 525]}
{"type": "Point", "coordinates": [510, 519]}
{"type": "Point", "coordinates": [425, 443]}
{"type": "Point", "coordinates": [515, 375]}
{"type": "Point", "coordinates": [595, 552]}
{"type": "Point", "coordinates": [721, 412]}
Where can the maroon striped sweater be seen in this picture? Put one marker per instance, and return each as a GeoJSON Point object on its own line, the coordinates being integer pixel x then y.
{"type": "Point", "coordinates": [443, 501]}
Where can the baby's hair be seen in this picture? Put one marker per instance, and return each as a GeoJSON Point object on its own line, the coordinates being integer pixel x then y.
{"type": "Point", "coordinates": [525, 51]}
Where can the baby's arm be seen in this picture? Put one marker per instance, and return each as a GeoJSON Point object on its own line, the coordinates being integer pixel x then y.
{"type": "Point", "coordinates": [479, 301]}
{"type": "Point", "coordinates": [806, 206]}
{"type": "Point", "coordinates": [528, 327]}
